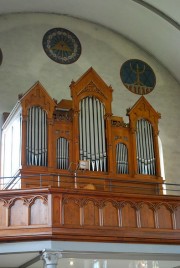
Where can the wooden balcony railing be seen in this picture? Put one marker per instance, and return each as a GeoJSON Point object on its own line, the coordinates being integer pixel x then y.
{"type": "Point", "coordinates": [88, 215]}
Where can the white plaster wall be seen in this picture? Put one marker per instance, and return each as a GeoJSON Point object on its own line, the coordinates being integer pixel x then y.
{"type": "Point", "coordinates": [25, 62]}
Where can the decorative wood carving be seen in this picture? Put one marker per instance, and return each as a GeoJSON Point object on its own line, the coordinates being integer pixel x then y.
{"type": "Point", "coordinates": [37, 96]}
{"type": "Point", "coordinates": [92, 88]}
{"type": "Point", "coordinates": [39, 212]}
{"type": "Point", "coordinates": [110, 214]}
{"type": "Point", "coordinates": [90, 212]}
{"type": "Point", "coordinates": [84, 215]}
{"type": "Point", "coordinates": [3, 213]}
{"type": "Point", "coordinates": [71, 209]}
{"type": "Point", "coordinates": [16, 211]}
{"type": "Point", "coordinates": [147, 215]}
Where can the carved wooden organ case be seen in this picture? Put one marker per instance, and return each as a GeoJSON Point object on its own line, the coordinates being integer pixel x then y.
{"type": "Point", "coordinates": [78, 143]}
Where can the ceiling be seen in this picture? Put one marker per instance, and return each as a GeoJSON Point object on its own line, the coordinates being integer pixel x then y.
{"type": "Point", "coordinates": [153, 25]}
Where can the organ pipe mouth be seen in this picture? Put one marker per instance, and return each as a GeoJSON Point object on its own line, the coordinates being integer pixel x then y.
{"type": "Point", "coordinates": [62, 109]}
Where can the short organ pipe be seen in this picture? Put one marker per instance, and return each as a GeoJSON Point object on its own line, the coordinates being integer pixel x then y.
{"type": "Point", "coordinates": [121, 159]}
{"type": "Point", "coordinates": [62, 153]}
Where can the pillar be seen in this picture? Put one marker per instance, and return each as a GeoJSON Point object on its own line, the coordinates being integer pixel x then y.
{"type": "Point", "coordinates": [51, 258]}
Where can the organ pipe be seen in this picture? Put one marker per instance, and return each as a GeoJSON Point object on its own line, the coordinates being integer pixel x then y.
{"type": "Point", "coordinates": [121, 159]}
{"type": "Point", "coordinates": [145, 148]}
{"type": "Point", "coordinates": [92, 133]}
{"type": "Point", "coordinates": [36, 137]}
{"type": "Point", "coordinates": [62, 153]}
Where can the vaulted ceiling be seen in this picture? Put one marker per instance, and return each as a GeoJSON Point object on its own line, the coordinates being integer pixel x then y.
{"type": "Point", "coordinates": [153, 25]}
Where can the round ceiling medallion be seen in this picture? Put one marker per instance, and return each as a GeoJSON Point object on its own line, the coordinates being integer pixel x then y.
{"type": "Point", "coordinates": [138, 76]}
{"type": "Point", "coordinates": [61, 45]}
{"type": "Point", "coordinates": [1, 56]}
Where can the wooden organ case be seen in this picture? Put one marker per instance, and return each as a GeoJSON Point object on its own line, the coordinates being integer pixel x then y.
{"type": "Point", "coordinates": [78, 143]}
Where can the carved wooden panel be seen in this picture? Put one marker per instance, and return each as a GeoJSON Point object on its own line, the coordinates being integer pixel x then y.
{"type": "Point", "coordinates": [18, 213]}
{"type": "Point", "coordinates": [177, 216]}
{"type": "Point", "coordinates": [147, 219]}
{"type": "Point", "coordinates": [88, 215]}
{"type": "Point", "coordinates": [3, 213]}
{"type": "Point", "coordinates": [91, 213]}
{"type": "Point", "coordinates": [57, 209]}
{"type": "Point", "coordinates": [129, 216]}
{"type": "Point", "coordinates": [71, 211]}
{"type": "Point", "coordinates": [110, 214]}
{"type": "Point", "coordinates": [39, 211]}
{"type": "Point", "coordinates": [164, 216]}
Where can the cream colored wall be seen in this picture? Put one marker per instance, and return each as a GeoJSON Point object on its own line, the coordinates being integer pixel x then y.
{"type": "Point", "coordinates": [25, 62]}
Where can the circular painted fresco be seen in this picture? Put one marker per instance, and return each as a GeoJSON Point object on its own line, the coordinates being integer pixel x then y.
{"type": "Point", "coordinates": [1, 56]}
{"type": "Point", "coordinates": [138, 76]}
{"type": "Point", "coordinates": [61, 45]}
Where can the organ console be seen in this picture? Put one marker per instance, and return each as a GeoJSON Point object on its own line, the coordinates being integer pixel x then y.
{"type": "Point", "coordinates": [79, 143]}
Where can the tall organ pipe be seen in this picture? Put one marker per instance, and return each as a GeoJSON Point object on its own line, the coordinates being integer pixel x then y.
{"type": "Point", "coordinates": [96, 138]}
{"type": "Point", "coordinates": [36, 144]}
{"type": "Point", "coordinates": [92, 133]}
{"type": "Point", "coordinates": [145, 148]}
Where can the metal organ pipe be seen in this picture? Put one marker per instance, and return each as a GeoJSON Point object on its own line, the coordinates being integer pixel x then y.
{"type": "Point", "coordinates": [121, 159]}
{"type": "Point", "coordinates": [145, 148]}
{"type": "Point", "coordinates": [92, 133]}
{"type": "Point", "coordinates": [36, 137]}
{"type": "Point", "coordinates": [152, 155]}
{"type": "Point", "coordinates": [62, 153]}
{"type": "Point", "coordinates": [96, 138]}
{"type": "Point", "coordinates": [138, 149]}
{"type": "Point", "coordinates": [100, 136]}
{"type": "Point", "coordinates": [83, 115]}
{"type": "Point", "coordinates": [103, 137]}
{"type": "Point", "coordinates": [81, 139]}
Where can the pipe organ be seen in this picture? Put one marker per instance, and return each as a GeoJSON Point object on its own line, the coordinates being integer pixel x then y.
{"type": "Point", "coordinates": [60, 137]}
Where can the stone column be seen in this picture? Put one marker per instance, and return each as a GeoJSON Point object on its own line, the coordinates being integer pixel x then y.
{"type": "Point", "coordinates": [51, 258]}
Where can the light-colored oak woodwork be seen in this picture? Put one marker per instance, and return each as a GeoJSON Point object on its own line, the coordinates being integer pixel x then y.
{"type": "Point", "coordinates": [86, 215]}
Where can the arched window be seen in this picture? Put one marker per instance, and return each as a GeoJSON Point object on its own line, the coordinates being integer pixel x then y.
{"type": "Point", "coordinates": [121, 159]}
{"type": "Point", "coordinates": [145, 148]}
{"type": "Point", "coordinates": [36, 145]}
{"type": "Point", "coordinates": [62, 153]}
{"type": "Point", "coordinates": [92, 133]}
